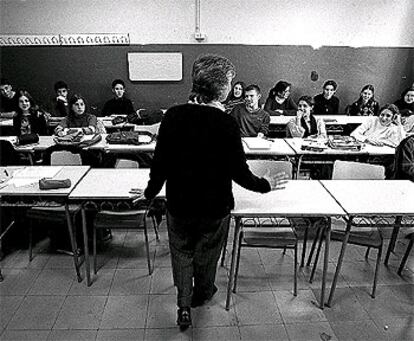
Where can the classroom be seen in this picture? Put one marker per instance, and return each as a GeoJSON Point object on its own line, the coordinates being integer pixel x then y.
{"type": "Point", "coordinates": [325, 97]}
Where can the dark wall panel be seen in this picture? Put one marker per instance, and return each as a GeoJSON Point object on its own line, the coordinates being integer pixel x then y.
{"type": "Point", "coordinates": [90, 70]}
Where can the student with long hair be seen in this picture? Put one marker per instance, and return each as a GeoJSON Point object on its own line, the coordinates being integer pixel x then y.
{"type": "Point", "coordinates": [236, 96]}
{"type": "Point", "coordinates": [366, 105]}
{"type": "Point", "coordinates": [29, 119]}
{"type": "Point", "coordinates": [305, 124]}
{"type": "Point", "coordinates": [279, 102]}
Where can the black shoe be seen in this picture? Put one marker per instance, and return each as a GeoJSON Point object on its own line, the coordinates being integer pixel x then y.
{"type": "Point", "coordinates": [198, 300]}
{"type": "Point", "coordinates": [184, 318]}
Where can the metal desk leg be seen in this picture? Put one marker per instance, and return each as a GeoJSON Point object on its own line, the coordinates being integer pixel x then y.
{"type": "Point", "coordinates": [233, 261]}
{"type": "Point", "coordinates": [393, 239]}
{"type": "Point", "coordinates": [86, 248]}
{"type": "Point", "coordinates": [73, 242]}
{"type": "Point", "coordinates": [298, 164]}
{"type": "Point", "coordinates": [325, 261]}
{"type": "Point", "coordinates": [340, 259]}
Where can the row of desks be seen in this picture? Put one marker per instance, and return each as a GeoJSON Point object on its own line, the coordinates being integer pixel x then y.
{"type": "Point", "coordinates": [325, 199]}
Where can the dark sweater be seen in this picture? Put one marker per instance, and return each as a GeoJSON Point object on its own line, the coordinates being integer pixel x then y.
{"type": "Point", "coordinates": [74, 121]}
{"type": "Point", "coordinates": [405, 108]}
{"type": "Point", "coordinates": [358, 108]}
{"type": "Point", "coordinates": [199, 152]}
{"type": "Point", "coordinates": [118, 106]}
{"type": "Point", "coordinates": [288, 107]}
{"type": "Point", "coordinates": [35, 123]}
{"type": "Point", "coordinates": [325, 106]}
{"type": "Point", "coordinates": [251, 123]}
{"type": "Point", "coordinates": [404, 160]}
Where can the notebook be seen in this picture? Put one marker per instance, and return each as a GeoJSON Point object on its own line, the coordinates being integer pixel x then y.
{"type": "Point", "coordinates": [257, 143]}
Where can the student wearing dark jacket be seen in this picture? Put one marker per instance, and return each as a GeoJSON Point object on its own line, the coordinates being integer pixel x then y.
{"type": "Point", "coordinates": [366, 105]}
{"type": "Point", "coordinates": [119, 105]}
{"type": "Point", "coordinates": [29, 119]}
{"type": "Point", "coordinates": [198, 154]}
{"type": "Point", "coordinates": [327, 103]}
{"type": "Point", "coordinates": [404, 160]}
{"type": "Point", "coordinates": [279, 102]}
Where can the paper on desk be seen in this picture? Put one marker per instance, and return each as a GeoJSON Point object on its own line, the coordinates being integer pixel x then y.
{"type": "Point", "coordinates": [22, 182]}
{"type": "Point", "coordinates": [37, 173]}
{"type": "Point", "coordinates": [257, 143]}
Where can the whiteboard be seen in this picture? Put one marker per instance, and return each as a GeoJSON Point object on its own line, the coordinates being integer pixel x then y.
{"type": "Point", "coordinates": [160, 66]}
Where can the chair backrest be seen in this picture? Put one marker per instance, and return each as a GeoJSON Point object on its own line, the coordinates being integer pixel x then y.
{"type": "Point", "coordinates": [259, 167]}
{"type": "Point", "coordinates": [125, 163]}
{"type": "Point", "coordinates": [65, 158]}
{"type": "Point", "coordinates": [346, 170]}
{"type": "Point", "coordinates": [8, 156]}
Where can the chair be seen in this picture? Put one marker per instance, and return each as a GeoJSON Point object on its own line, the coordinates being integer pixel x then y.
{"type": "Point", "coordinates": [55, 214]}
{"type": "Point", "coordinates": [369, 237]}
{"type": "Point", "coordinates": [271, 233]}
{"type": "Point", "coordinates": [407, 252]}
{"type": "Point", "coordinates": [129, 219]}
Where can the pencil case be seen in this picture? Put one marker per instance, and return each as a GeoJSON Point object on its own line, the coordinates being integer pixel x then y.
{"type": "Point", "coordinates": [46, 183]}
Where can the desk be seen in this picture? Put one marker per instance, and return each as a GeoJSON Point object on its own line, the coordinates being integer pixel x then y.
{"type": "Point", "coordinates": [329, 155]}
{"type": "Point", "coordinates": [276, 147]}
{"type": "Point", "coordinates": [106, 189]}
{"type": "Point", "coordinates": [30, 195]}
{"type": "Point", "coordinates": [370, 198]}
{"type": "Point", "coordinates": [300, 198]}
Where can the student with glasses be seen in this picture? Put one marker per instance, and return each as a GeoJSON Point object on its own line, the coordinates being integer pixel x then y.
{"type": "Point", "coordinates": [383, 130]}
{"type": "Point", "coordinates": [279, 101]}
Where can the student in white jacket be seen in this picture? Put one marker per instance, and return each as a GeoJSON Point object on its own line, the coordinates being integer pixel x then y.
{"type": "Point", "coordinates": [383, 130]}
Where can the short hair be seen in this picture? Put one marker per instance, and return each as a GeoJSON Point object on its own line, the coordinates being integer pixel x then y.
{"type": "Point", "coordinates": [118, 81]}
{"type": "Point", "coordinates": [279, 88]}
{"type": "Point", "coordinates": [253, 87]}
{"type": "Point", "coordinates": [406, 90]}
{"type": "Point", "coordinates": [4, 81]}
{"type": "Point", "coordinates": [391, 107]}
{"type": "Point", "coordinates": [210, 77]}
{"type": "Point", "coordinates": [330, 82]}
{"type": "Point", "coordinates": [60, 85]}
{"type": "Point", "coordinates": [307, 99]}
{"type": "Point", "coordinates": [74, 99]}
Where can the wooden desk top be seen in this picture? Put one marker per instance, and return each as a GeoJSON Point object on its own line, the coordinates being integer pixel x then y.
{"type": "Point", "coordinates": [328, 119]}
{"type": "Point", "coordinates": [299, 198]}
{"type": "Point", "coordinates": [275, 147]}
{"type": "Point", "coordinates": [373, 197]}
{"type": "Point", "coordinates": [29, 187]}
{"type": "Point", "coordinates": [111, 183]}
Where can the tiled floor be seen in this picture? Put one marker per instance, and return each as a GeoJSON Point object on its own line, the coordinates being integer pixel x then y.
{"type": "Point", "coordinates": [42, 300]}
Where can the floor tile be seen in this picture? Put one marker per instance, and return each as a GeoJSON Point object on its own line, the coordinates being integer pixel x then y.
{"type": "Point", "coordinates": [302, 308]}
{"type": "Point", "coordinates": [357, 330]}
{"type": "Point", "coordinates": [20, 260]}
{"type": "Point", "coordinates": [125, 312]}
{"type": "Point", "coordinates": [130, 282]}
{"type": "Point", "coordinates": [162, 281]}
{"type": "Point", "coordinates": [120, 335]}
{"type": "Point", "coordinates": [17, 281]}
{"type": "Point", "coordinates": [134, 256]}
{"type": "Point", "coordinates": [23, 335]}
{"type": "Point", "coordinates": [310, 331]}
{"type": "Point", "coordinates": [53, 282]}
{"type": "Point", "coordinates": [252, 277]}
{"type": "Point", "coordinates": [256, 308]}
{"type": "Point", "coordinates": [72, 335]}
{"type": "Point", "coordinates": [162, 256]}
{"type": "Point", "coordinates": [162, 311]}
{"type": "Point", "coordinates": [81, 312]}
{"type": "Point", "coordinates": [37, 312]}
{"type": "Point", "coordinates": [9, 305]}
{"type": "Point", "coordinates": [101, 285]}
{"type": "Point", "coordinates": [281, 277]}
{"type": "Point", "coordinates": [216, 333]}
{"type": "Point", "coordinates": [60, 261]}
{"type": "Point", "coordinates": [401, 330]}
{"type": "Point", "coordinates": [170, 334]}
{"type": "Point", "coordinates": [263, 332]}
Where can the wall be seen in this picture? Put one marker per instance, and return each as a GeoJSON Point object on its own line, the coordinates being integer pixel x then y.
{"type": "Point", "coordinates": [354, 42]}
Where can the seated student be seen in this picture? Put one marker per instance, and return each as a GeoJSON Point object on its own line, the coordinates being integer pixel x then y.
{"type": "Point", "coordinates": [8, 99]}
{"type": "Point", "coordinates": [279, 101]}
{"type": "Point", "coordinates": [305, 124]}
{"type": "Point", "coordinates": [403, 167]}
{"type": "Point", "coordinates": [29, 119]}
{"type": "Point", "coordinates": [252, 120]}
{"type": "Point", "coordinates": [78, 117]}
{"type": "Point", "coordinates": [406, 103]}
{"type": "Point", "coordinates": [119, 105]}
{"type": "Point", "coordinates": [385, 129]}
{"type": "Point", "coordinates": [60, 103]}
{"type": "Point", "coordinates": [236, 96]}
{"type": "Point", "coordinates": [366, 105]}
{"type": "Point", "coordinates": [326, 103]}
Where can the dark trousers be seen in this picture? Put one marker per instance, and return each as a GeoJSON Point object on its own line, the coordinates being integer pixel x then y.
{"type": "Point", "coordinates": [195, 245]}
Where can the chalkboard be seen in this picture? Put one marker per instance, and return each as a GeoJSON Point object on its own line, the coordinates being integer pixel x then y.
{"type": "Point", "coordinates": [164, 66]}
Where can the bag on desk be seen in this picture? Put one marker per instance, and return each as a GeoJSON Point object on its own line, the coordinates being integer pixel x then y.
{"type": "Point", "coordinates": [46, 183]}
{"type": "Point", "coordinates": [27, 139]}
{"type": "Point", "coordinates": [118, 119]}
{"type": "Point", "coordinates": [77, 139]}
{"type": "Point", "coordinates": [344, 143]}
{"type": "Point", "coordinates": [130, 137]}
